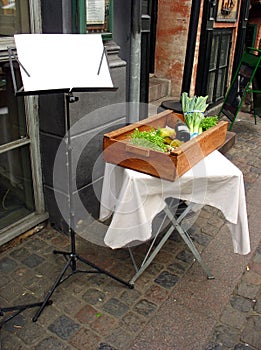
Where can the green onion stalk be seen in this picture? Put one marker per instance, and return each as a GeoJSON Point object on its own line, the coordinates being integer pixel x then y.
{"type": "Point", "coordinates": [193, 110]}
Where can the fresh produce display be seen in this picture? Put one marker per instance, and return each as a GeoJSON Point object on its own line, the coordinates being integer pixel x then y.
{"type": "Point", "coordinates": [193, 109]}
{"type": "Point", "coordinates": [161, 139]}
{"type": "Point", "coordinates": [167, 139]}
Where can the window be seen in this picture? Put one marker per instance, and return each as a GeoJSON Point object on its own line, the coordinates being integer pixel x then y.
{"type": "Point", "coordinates": [218, 67]}
{"type": "Point", "coordinates": [14, 17]}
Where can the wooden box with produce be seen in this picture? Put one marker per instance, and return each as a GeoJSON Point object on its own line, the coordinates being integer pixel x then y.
{"type": "Point", "coordinates": [161, 145]}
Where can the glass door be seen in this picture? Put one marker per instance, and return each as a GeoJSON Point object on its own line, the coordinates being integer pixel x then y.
{"type": "Point", "coordinates": [21, 197]}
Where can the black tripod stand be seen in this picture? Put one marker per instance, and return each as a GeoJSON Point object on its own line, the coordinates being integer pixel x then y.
{"type": "Point", "coordinates": [98, 75]}
{"type": "Point", "coordinates": [72, 257]}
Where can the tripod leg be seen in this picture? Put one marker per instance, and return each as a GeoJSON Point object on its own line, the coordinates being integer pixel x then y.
{"type": "Point", "coordinates": [49, 294]}
{"type": "Point", "coordinates": [105, 272]}
{"type": "Point", "coordinates": [18, 309]}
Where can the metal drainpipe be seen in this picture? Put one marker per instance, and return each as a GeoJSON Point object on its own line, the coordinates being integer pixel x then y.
{"type": "Point", "coordinates": [67, 16]}
{"type": "Point", "coordinates": [135, 63]}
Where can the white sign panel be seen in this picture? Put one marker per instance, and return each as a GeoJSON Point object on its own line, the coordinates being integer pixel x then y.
{"type": "Point", "coordinates": [62, 61]}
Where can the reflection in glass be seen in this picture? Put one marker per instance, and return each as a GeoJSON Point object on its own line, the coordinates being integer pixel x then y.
{"type": "Point", "coordinates": [12, 112]}
{"type": "Point", "coordinates": [16, 190]}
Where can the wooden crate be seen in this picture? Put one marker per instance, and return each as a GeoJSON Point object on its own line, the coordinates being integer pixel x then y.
{"type": "Point", "coordinates": [117, 148]}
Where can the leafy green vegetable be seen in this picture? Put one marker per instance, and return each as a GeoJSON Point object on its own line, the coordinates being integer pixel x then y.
{"type": "Point", "coordinates": [208, 122]}
{"type": "Point", "coordinates": [149, 139]}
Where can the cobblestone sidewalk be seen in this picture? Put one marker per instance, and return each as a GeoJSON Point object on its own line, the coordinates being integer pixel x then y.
{"type": "Point", "coordinates": [172, 307]}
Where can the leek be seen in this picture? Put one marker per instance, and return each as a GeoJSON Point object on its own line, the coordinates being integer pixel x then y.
{"type": "Point", "coordinates": [193, 110]}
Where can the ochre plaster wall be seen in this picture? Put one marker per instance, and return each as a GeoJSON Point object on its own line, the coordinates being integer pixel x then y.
{"type": "Point", "coordinates": [172, 35]}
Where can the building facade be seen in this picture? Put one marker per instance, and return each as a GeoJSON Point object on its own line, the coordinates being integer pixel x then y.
{"type": "Point", "coordinates": [194, 46]}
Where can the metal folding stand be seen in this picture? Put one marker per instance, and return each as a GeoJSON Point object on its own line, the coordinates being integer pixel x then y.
{"type": "Point", "coordinates": [175, 218]}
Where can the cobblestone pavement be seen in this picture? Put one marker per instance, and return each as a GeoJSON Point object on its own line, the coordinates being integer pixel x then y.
{"type": "Point", "coordinates": [173, 305]}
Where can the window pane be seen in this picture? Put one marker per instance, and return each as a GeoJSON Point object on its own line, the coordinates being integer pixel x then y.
{"type": "Point", "coordinates": [211, 84]}
{"type": "Point", "coordinates": [224, 50]}
{"type": "Point", "coordinates": [14, 17]}
{"type": "Point", "coordinates": [16, 190]}
{"type": "Point", "coordinates": [220, 91]}
{"type": "Point", "coordinates": [12, 112]}
{"type": "Point", "coordinates": [214, 52]}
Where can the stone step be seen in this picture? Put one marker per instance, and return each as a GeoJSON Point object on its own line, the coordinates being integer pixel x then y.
{"type": "Point", "coordinates": [158, 88]}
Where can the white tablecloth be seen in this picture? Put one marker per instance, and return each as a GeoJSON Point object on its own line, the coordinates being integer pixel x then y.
{"type": "Point", "coordinates": [134, 199]}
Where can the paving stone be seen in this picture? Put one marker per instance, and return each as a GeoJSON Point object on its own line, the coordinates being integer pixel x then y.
{"type": "Point", "coordinates": [252, 277]}
{"type": "Point", "coordinates": [64, 327]}
{"type": "Point", "coordinates": [252, 331]}
{"type": "Point", "coordinates": [104, 346]}
{"type": "Point", "coordinates": [241, 346]}
{"type": "Point", "coordinates": [51, 343]}
{"type": "Point", "coordinates": [213, 346]}
{"type": "Point", "coordinates": [247, 290]}
{"type": "Point", "coordinates": [200, 238]}
{"type": "Point", "coordinates": [115, 307]}
{"type": "Point", "coordinates": [257, 306]}
{"type": "Point", "coordinates": [23, 273]}
{"type": "Point", "coordinates": [186, 256]}
{"type": "Point", "coordinates": [178, 267]}
{"type": "Point", "coordinates": [7, 265]}
{"type": "Point", "coordinates": [210, 230]}
{"type": "Point", "coordinates": [145, 307]}
{"type": "Point", "coordinates": [4, 280]}
{"type": "Point", "coordinates": [85, 339]}
{"type": "Point", "coordinates": [240, 303]}
{"type": "Point", "coordinates": [97, 280]}
{"type": "Point", "coordinates": [132, 322]}
{"type": "Point", "coordinates": [103, 323]}
{"type": "Point", "coordinates": [32, 260]}
{"type": "Point", "coordinates": [19, 253]}
{"type": "Point", "coordinates": [167, 279]}
{"type": "Point", "coordinates": [233, 317]}
{"type": "Point", "coordinates": [226, 336]}
{"type": "Point", "coordinates": [14, 324]}
{"type": "Point", "coordinates": [31, 333]}
{"type": "Point", "coordinates": [12, 291]}
{"type": "Point", "coordinates": [119, 339]}
{"type": "Point", "coordinates": [156, 294]}
{"type": "Point", "coordinates": [153, 269]}
{"type": "Point", "coordinates": [130, 296]}
{"type": "Point", "coordinates": [12, 342]}
{"type": "Point", "coordinates": [93, 296]}
{"type": "Point", "coordinates": [87, 314]}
